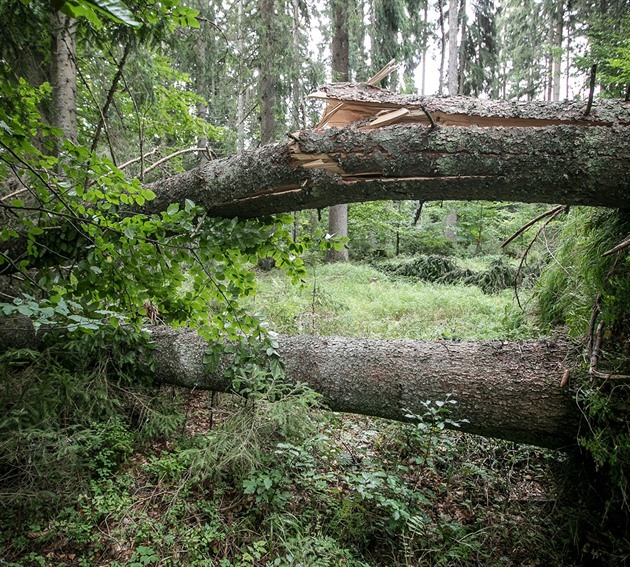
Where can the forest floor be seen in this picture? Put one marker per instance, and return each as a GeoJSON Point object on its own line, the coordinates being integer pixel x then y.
{"type": "Point", "coordinates": [275, 481]}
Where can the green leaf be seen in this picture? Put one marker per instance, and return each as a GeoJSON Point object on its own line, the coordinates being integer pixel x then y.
{"type": "Point", "coordinates": [113, 9]}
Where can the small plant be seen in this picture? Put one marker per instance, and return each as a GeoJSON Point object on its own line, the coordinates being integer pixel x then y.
{"type": "Point", "coordinates": [426, 431]}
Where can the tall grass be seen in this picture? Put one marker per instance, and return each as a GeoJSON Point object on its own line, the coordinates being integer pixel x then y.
{"type": "Point", "coordinates": [359, 301]}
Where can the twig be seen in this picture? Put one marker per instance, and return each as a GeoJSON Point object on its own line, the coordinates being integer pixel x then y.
{"type": "Point", "coordinates": [14, 194]}
{"type": "Point", "coordinates": [22, 273]}
{"type": "Point", "coordinates": [139, 122]}
{"type": "Point", "coordinates": [175, 154]}
{"type": "Point", "coordinates": [552, 216]}
{"type": "Point", "coordinates": [605, 376]}
{"type": "Point", "coordinates": [86, 84]}
{"type": "Point", "coordinates": [137, 159]}
{"type": "Point", "coordinates": [530, 223]}
{"type": "Point", "coordinates": [416, 217]}
{"type": "Point", "coordinates": [428, 115]}
{"type": "Point", "coordinates": [110, 97]}
{"type": "Point", "coordinates": [596, 349]}
{"type": "Point", "coordinates": [591, 91]}
{"type": "Point", "coordinates": [617, 248]}
{"type": "Point", "coordinates": [591, 326]}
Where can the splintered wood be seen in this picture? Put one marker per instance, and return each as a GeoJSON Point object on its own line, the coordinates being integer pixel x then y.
{"type": "Point", "coordinates": [367, 107]}
{"type": "Point", "coordinates": [315, 161]}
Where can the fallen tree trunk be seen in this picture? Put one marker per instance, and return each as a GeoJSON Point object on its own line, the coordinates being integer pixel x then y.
{"type": "Point", "coordinates": [562, 164]}
{"type": "Point", "coordinates": [507, 390]}
{"type": "Point", "coordinates": [396, 147]}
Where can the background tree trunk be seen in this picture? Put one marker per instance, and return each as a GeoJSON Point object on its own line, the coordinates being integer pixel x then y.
{"type": "Point", "coordinates": [338, 215]}
{"type": "Point", "coordinates": [63, 73]}
{"type": "Point", "coordinates": [267, 85]}
{"type": "Point", "coordinates": [557, 55]}
{"type": "Point", "coordinates": [453, 52]}
{"type": "Point", "coordinates": [240, 103]}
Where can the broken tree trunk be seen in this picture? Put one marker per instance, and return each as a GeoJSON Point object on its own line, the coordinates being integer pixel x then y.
{"type": "Point", "coordinates": [395, 147]}
{"type": "Point", "coordinates": [506, 390]}
{"type": "Point", "coordinates": [385, 146]}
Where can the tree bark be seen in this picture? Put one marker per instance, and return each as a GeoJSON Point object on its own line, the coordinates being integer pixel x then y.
{"type": "Point", "coordinates": [267, 86]}
{"type": "Point", "coordinates": [506, 390]}
{"type": "Point", "coordinates": [453, 52]}
{"type": "Point", "coordinates": [557, 54]}
{"type": "Point", "coordinates": [552, 164]}
{"type": "Point", "coordinates": [63, 73]}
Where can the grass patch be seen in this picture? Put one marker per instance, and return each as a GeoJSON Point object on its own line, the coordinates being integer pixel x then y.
{"type": "Point", "coordinates": [360, 301]}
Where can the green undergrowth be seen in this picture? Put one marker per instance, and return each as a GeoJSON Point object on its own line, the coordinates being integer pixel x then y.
{"type": "Point", "coordinates": [587, 291]}
{"type": "Point", "coordinates": [497, 274]}
{"type": "Point", "coordinates": [136, 476]}
{"type": "Point", "coordinates": [276, 482]}
{"type": "Point", "coordinates": [360, 301]}
{"type": "Point", "coordinates": [74, 412]}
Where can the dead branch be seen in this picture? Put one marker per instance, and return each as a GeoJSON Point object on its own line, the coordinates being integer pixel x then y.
{"type": "Point", "coordinates": [530, 223]}
{"type": "Point", "coordinates": [552, 215]}
{"type": "Point", "coordinates": [175, 154]}
{"type": "Point", "coordinates": [617, 248]}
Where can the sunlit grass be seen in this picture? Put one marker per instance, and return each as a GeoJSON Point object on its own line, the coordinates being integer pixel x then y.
{"type": "Point", "coordinates": [359, 301]}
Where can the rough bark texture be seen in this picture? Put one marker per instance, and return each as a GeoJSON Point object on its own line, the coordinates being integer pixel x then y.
{"type": "Point", "coordinates": [453, 52]}
{"type": "Point", "coordinates": [267, 85]}
{"type": "Point", "coordinates": [366, 101]}
{"type": "Point", "coordinates": [496, 150]}
{"type": "Point", "coordinates": [507, 390]}
{"type": "Point", "coordinates": [63, 73]}
{"type": "Point", "coordinates": [553, 164]}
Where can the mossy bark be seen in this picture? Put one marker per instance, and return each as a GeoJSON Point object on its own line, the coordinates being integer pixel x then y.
{"type": "Point", "coordinates": [561, 164]}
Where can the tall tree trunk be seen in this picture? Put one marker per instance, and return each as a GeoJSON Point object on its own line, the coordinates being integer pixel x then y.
{"type": "Point", "coordinates": [442, 48]}
{"type": "Point", "coordinates": [201, 88]}
{"type": "Point", "coordinates": [568, 63]}
{"type": "Point", "coordinates": [462, 48]}
{"type": "Point", "coordinates": [240, 101]}
{"type": "Point", "coordinates": [557, 56]}
{"type": "Point", "coordinates": [267, 84]}
{"type": "Point", "coordinates": [296, 95]}
{"type": "Point", "coordinates": [425, 19]}
{"type": "Point", "coordinates": [63, 73]}
{"type": "Point", "coordinates": [453, 53]}
{"type": "Point", "coordinates": [450, 226]}
{"type": "Point", "coordinates": [338, 215]}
